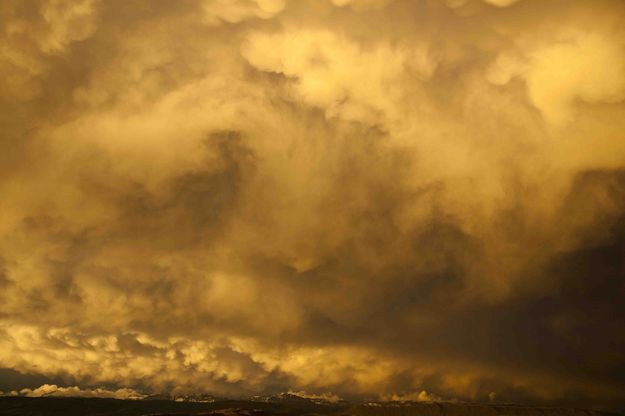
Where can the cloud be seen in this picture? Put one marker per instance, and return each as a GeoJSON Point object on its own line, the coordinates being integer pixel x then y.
{"type": "Point", "coordinates": [342, 77]}
{"type": "Point", "coordinates": [557, 78]}
{"type": "Point", "coordinates": [417, 396]}
{"type": "Point", "coordinates": [362, 4]}
{"type": "Point", "coordinates": [252, 197]}
{"type": "Point", "coordinates": [326, 397]}
{"type": "Point", "coordinates": [501, 3]}
{"type": "Point", "coordinates": [218, 11]}
{"type": "Point", "coordinates": [55, 391]}
{"type": "Point", "coordinates": [36, 33]}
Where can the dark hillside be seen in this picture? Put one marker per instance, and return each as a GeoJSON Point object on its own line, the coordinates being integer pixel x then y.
{"type": "Point", "coordinates": [56, 406]}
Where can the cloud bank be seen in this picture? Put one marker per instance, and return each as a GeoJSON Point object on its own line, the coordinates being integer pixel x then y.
{"type": "Point", "coordinates": [368, 197]}
{"type": "Point", "coordinates": [52, 390]}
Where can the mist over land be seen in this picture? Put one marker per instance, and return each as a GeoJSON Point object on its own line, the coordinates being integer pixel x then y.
{"type": "Point", "coordinates": [362, 200]}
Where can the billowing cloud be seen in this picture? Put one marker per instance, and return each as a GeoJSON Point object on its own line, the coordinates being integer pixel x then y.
{"type": "Point", "coordinates": [52, 390]}
{"type": "Point", "coordinates": [323, 397]}
{"type": "Point", "coordinates": [417, 396]}
{"type": "Point", "coordinates": [378, 199]}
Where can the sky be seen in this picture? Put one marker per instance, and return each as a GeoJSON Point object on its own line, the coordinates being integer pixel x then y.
{"type": "Point", "coordinates": [381, 199]}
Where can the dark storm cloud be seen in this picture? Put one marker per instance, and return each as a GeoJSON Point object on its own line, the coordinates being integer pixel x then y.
{"type": "Point", "coordinates": [254, 196]}
{"type": "Point", "coordinates": [13, 380]}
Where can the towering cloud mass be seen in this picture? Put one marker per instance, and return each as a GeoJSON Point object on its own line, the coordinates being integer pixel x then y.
{"type": "Point", "coordinates": [415, 199]}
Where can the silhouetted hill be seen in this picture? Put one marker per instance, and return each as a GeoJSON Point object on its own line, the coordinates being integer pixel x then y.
{"type": "Point", "coordinates": [465, 409]}
{"type": "Point", "coordinates": [287, 406]}
{"type": "Point", "coordinates": [74, 406]}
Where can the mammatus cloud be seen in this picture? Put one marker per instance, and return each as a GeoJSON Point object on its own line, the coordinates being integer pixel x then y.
{"type": "Point", "coordinates": [227, 11]}
{"type": "Point", "coordinates": [397, 199]}
{"type": "Point", "coordinates": [595, 79]}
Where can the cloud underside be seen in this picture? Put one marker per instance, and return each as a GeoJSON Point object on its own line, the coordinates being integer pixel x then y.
{"type": "Point", "coordinates": [362, 198]}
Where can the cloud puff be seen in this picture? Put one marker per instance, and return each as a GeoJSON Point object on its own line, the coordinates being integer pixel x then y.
{"type": "Point", "coordinates": [48, 390]}
{"type": "Point", "coordinates": [501, 3]}
{"type": "Point", "coordinates": [557, 77]}
{"type": "Point", "coordinates": [344, 78]}
{"type": "Point", "coordinates": [325, 397]}
{"type": "Point", "coordinates": [218, 11]}
{"type": "Point", "coordinates": [417, 396]}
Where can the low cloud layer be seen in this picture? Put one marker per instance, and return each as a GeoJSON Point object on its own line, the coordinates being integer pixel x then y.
{"type": "Point", "coordinates": [52, 390]}
{"type": "Point", "coordinates": [374, 198]}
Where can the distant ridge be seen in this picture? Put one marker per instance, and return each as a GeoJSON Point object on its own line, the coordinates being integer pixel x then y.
{"type": "Point", "coordinates": [283, 404]}
{"type": "Point", "coordinates": [466, 409]}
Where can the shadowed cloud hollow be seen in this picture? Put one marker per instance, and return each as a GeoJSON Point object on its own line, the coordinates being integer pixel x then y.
{"type": "Point", "coordinates": [355, 198]}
